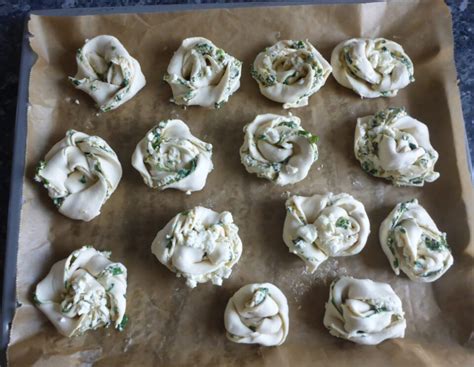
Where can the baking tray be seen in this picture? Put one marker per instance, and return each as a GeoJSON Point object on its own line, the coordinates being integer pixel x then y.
{"type": "Point", "coordinates": [27, 61]}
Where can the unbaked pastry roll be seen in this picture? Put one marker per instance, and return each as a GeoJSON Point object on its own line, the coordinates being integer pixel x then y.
{"type": "Point", "coordinates": [202, 74]}
{"type": "Point", "coordinates": [85, 291]}
{"type": "Point", "coordinates": [200, 245]}
{"type": "Point", "coordinates": [278, 148]}
{"type": "Point", "coordinates": [372, 67]}
{"type": "Point", "coordinates": [290, 72]}
{"type": "Point", "coordinates": [395, 146]}
{"type": "Point", "coordinates": [107, 72]}
{"type": "Point", "coordinates": [170, 157]}
{"type": "Point", "coordinates": [323, 226]}
{"type": "Point", "coordinates": [414, 244]}
{"type": "Point", "coordinates": [80, 173]}
{"type": "Point", "coordinates": [257, 314]}
{"type": "Point", "coordinates": [363, 311]}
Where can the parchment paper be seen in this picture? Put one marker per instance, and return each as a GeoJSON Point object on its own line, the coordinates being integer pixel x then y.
{"type": "Point", "coordinates": [171, 325]}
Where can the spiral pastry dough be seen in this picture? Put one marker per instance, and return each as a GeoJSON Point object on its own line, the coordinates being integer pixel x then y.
{"type": "Point", "coordinates": [202, 74]}
{"type": "Point", "coordinates": [85, 291]}
{"type": "Point", "coordinates": [372, 67]}
{"type": "Point", "coordinates": [395, 146]}
{"type": "Point", "coordinates": [80, 173]}
{"type": "Point", "coordinates": [363, 311]}
{"type": "Point", "coordinates": [413, 243]}
{"type": "Point", "coordinates": [278, 148]}
{"type": "Point", "coordinates": [107, 72]}
{"type": "Point", "coordinates": [290, 72]}
{"type": "Point", "coordinates": [257, 314]}
{"type": "Point", "coordinates": [170, 157]}
{"type": "Point", "coordinates": [323, 226]}
{"type": "Point", "coordinates": [200, 245]}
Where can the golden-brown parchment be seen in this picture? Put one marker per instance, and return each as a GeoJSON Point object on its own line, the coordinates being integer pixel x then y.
{"type": "Point", "coordinates": [171, 325]}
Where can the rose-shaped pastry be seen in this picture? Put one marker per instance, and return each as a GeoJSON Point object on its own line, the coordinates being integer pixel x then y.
{"type": "Point", "coordinates": [322, 226]}
{"type": "Point", "coordinates": [395, 146]}
{"type": "Point", "coordinates": [278, 148]}
{"type": "Point", "coordinates": [290, 72]}
{"type": "Point", "coordinates": [202, 74]}
{"type": "Point", "coordinates": [107, 72]}
{"type": "Point", "coordinates": [80, 173]}
{"type": "Point", "coordinates": [372, 67]}
{"type": "Point", "coordinates": [414, 244]}
{"type": "Point", "coordinates": [363, 311]}
{"type": "Point", "coordinates": [200, 245]}
{"type": "Point", "coordinates": [257, 314]}
{"type": "Point", "coordinates": [85, 291]}
{"type": "Point", "coordinates": [170, 157]}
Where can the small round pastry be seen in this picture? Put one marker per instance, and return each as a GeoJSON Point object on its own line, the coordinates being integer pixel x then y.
{"type": "Point", "coordinates": [170, 157]}
{"type": "Point", "coordinates": [290, 72]}
{"type": "Point", "coordinates": [80, 173]}
{"type": "Point", "coordinates": [257, 314]}
{"type": "Point", "coordinates": [395, 146]}
{"type": "Point", "coordinates": [201, 74]}
{"type": "Point", "coordinates": [363, 311]}
{"type": "Point", "coordinates": [323, 226]}
{"type": "Point", "coordinates": [413, 243]}
{"type": "Point", "coordinates": [107, 72]}
{"type": "Point", "coordinates": [85, 291]}
{"type": "Point", "coordinates": [278, 148]}
{"type": "Point", "coordinates": [200, 245]}
{"type": "Point", "coordinates": [372, 67]}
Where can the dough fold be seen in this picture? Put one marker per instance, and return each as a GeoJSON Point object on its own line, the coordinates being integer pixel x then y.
{"type": "Point", "coordinates": [170, 157]}
{"type": "Point", "coordinates": [85, 291]}
{"type": "Point", "coordinates": [413, 243]}
{"type": "Point", "coordinates": [395, 146]}
{"type": "Point", "coordinates": [257, 314]}
{"type": "Point", "coordinates": [80, 173]}
{"type": "Point", "coordinates": [323, 226]}
{"type": "Point", "coordinates": [200, 245]}
{"type": "Point", "coordinates": [290, 72]}
{"type": "Point", "coordinates": [107, 72]}
{"type": "Point", "coordinates": [363, 311]}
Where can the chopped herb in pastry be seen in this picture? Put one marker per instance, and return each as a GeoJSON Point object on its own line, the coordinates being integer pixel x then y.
{"type": "Point", "coordinates": [85, 291]}
{"type": "Point", "coordinates": [200, 245]}
{"type": "Point", "coordinates": [278, 148]}
{"type": "Point", "coordinates": [80, 173]}
{"type": "Point", "coordinates": [202, 74]}
{"type": "Point", "coordinates": [257, 314]}
{"type": "Point", "coordinates": [323, 226]}
{"type": "Point", "coordinates": [372, 67]}
{"type": "Point", "coordinates": [395, 146]}
{"type": "Point", "coordinates": [414, 244]}
{"type": "Point", "coordinates": [290, 72]}
{"type": "Point", "coordinates": [363, 311]}
{"type": "Point", "coordinates": [170, 157]}
{"type": "Point", "coordinates": [107, 72]}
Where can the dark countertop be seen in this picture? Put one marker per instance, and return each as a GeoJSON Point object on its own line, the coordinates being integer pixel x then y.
{"type": "Point", "coordinates": [12, 16]}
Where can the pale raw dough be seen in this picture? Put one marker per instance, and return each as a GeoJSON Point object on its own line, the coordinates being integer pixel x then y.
{"type": "Point", "coordinates": [200, 245]}
{"type": "Point", "coordinates": [257, 314]}
{"type": "Point", "coordinates": [323, 226]}
{"type": "Point", "coordinates": [80, 173]}
{"type": "Point", "coordinates": [363, 311]}
{"type": "Point", "coordinates": [202, 74]}
{"type": "Point", "coordinates": [372, 67]}
{"type": "Point", "coordinates": [170, 157]}
{"type": "Point", "coordinates": [107, 72]}
{"type": "Point", "coordinates": [83, 292]}
{"type": "Point", "coordinates": [395, 146]}
{"type": "Point", "coordinates": [414, 244]}
{"type": "Point", "coordinates": [278, 148]}
{"type": "Point", "coordinates": [290, 72]}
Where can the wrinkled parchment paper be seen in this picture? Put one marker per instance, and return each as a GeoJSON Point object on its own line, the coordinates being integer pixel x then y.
{"type": "Point", "coordinates": [171, 325]}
